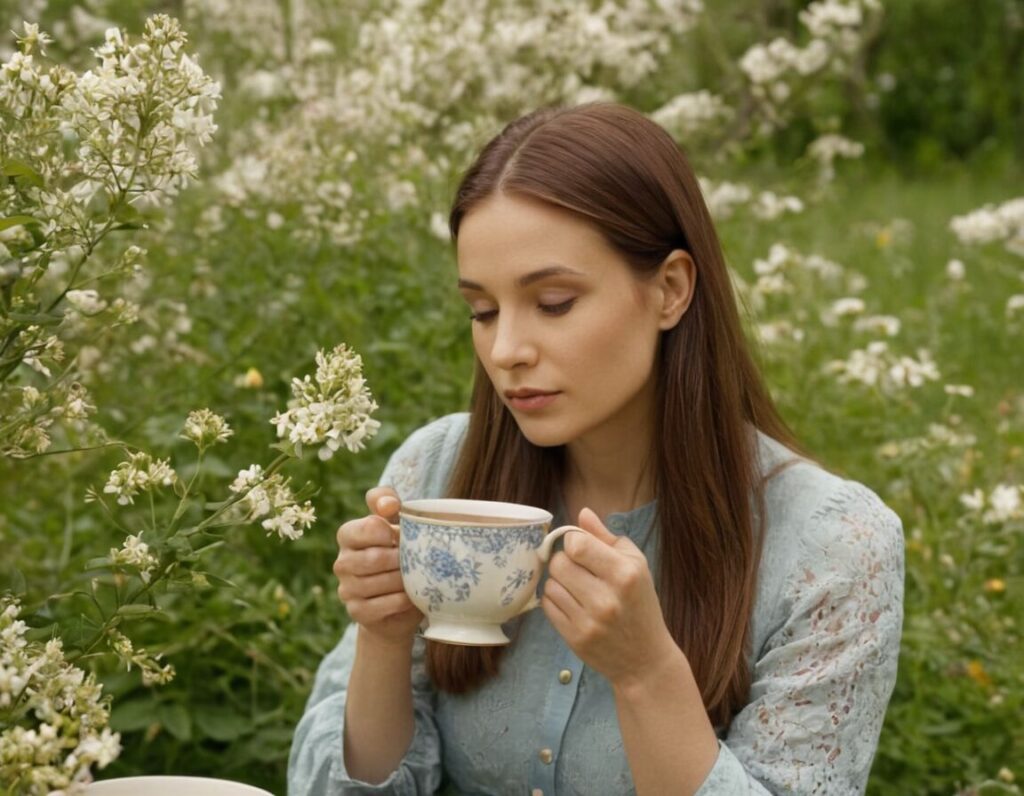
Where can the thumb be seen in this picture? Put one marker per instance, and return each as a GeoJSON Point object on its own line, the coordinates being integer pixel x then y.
{"type": "Point", "coordinates": [591, 523]}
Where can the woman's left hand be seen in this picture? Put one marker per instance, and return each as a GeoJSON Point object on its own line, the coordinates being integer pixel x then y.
{"type": "Point", "coordinates": [600, 598]}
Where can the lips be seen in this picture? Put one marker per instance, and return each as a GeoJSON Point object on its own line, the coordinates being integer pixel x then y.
{"type": "Point", "coordinates": [526, 399]}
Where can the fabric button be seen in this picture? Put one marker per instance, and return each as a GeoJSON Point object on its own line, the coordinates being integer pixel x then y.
{"type": "Point", "coordinates": [565, 677]}
{"type": "Point", "coordinates": [546, 756]}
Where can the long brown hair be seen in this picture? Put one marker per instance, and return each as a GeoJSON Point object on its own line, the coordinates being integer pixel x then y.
{"type": "Point", "coordinates": [626, 176]}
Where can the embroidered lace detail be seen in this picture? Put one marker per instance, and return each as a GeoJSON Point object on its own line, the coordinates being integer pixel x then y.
{"type": "Point", "coordinates": [821, 688]}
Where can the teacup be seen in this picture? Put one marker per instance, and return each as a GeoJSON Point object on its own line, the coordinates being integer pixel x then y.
{"type": "Point", "coordinates": [471, 565]}
{"type": "Point", "coordinates": [171, 786]}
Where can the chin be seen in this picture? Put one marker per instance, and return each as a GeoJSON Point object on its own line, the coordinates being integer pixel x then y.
{"type": "Point", "coordinates": [548, 434]}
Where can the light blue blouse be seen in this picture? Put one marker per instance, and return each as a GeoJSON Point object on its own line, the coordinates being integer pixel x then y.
{"type": "Point", "coordinates": [826, 631]}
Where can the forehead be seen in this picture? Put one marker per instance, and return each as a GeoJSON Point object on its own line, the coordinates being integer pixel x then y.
{"type": "Point", "coordinates": [510, 234]}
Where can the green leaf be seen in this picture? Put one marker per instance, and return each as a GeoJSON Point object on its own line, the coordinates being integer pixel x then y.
{"type": "Point", "coordinates": [16, 221]}
{"type": "Point", "coordinates": [133, 714]}
{"type": "Point", "coordinates": [220, 724]}
{"type": "Point", "coordinates": [36, 319]}
{"type": "Point", "coordinates": [97, 563]}
{"type": "Point", "coordinates": [218, 581]}
{"type": "Point", "coordinates": [19, 170]}
{"type": "Point", "coordinates": [175, 717]}
{"type": "Point", "coordinates": [137, 609]}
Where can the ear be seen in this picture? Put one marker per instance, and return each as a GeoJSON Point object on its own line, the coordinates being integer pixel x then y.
{"type": "Point", "coordinates": [677, 278]}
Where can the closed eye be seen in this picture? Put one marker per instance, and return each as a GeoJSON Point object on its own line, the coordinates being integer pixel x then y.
{"type": "Point", "coordinates": [548, 309]}
{"type": "Point", "coordinates": [557, 309]}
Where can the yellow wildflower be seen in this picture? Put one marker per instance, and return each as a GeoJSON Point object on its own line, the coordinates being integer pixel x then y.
{"type": "Point", "coordinates": [976, 671]}
{"type": "Point", "coordinates": [995, 585]}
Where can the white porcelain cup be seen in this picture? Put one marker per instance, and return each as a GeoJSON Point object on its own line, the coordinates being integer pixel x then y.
{"type": "Point", "coordinates": [471, 565]}
{"type": "Point", "coordinates": [171, 786]}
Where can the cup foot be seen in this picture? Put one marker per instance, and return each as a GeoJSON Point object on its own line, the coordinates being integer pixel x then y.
{"type": "Point", "coordinates": [467, 634]}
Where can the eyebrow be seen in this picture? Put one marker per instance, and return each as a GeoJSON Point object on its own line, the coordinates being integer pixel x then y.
{"type": "Point", "coordinates": [530, 278]}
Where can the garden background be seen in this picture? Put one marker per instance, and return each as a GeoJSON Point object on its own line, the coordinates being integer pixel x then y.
{"type": "Point", "coordinates": [862, 160]}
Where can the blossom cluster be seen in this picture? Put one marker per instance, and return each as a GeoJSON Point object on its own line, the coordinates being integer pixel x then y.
{"type": "Point", "coordinates": [826, 148]}
{"type": "Point", "coordinates": [878, 367]}
{"type": "Point", "coordinates": [53, 716]}
{"type": "Point", "coordinates": [775, 69]}
{"type": "Point", "coordinates": [939, 438]}
{"type": "Point", "coordinates": [83, 155]}
{"type": "Point", "coordinates": [1003, 223]}
{"type": "Point", "coordinates": [269, 498]}
{"type": "Point", "coordinates": [1004, 503]}
{"type": "Point", "coordinates": [689, 114]}
{"type": "Point", "coordinates": [724, 198]}
{"type": "Point", "coordinates": [448, 72]}
{"type": "Point", "coordinates": [331, 408]}
{"type": "Point", "coordinates": [135, 553]}
{"type": "Point", "coordinates": [29, 415]}
{"type": "Point", "coordinates": [153, 672]}
{"type": "Point", "coordinates": [778, 272]}
{"type": "Point", "coordinates": [140, 473]}
{"type": "Point", "coordinates": [205, 428]}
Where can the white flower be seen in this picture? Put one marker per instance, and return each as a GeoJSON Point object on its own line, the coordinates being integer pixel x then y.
{"type": "Point", "coordinates": [205, 428]}
{"type": "Point", "coordinates": [50, 707]}
{"type": "Point", "coordinates": [955, 270]}
{"type": "Point", "coordinates": [332, 409]}
{"type": "Point", "coordinates": [964, 390]}
{"type": "Point", "coordinates": [889, 325]}
{"type": "Point", "coordinates": [439, 227]}
{"type": "Point", "coordinates": [688, 114]}
{"type": "Point", "coordinates": [847, 306]}
{"type": "Point", "coordinates": [135, 553]}
{"type": "Point", "coordinates": [87, 302]}
{"type": "Point", "coordinates": [973, 500]}
{"type": "Point", "coordinates": [991, 223]}
{"type": "Point", "coordinates": [877, 366]}
{"type": "Point", "coordinates": [271, 497]}
{"type": "Point", "coordinates": [1005, 504]}
{"type": "Point", "coordinates": [769, 205]}
{"type": "Point", "coordinates": [141, 473]}
{"type": "Point", "coordinates": [1015, 303]}
{"type": "Point", "coordinates": [723, 197]}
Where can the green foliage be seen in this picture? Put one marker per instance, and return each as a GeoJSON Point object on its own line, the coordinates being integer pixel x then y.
{"type": "Point", "coordinates": [236, 309]}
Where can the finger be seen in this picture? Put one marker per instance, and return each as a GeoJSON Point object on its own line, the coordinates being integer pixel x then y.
{"type": "Point", "coordinates": [367, 586]}
{"type": "Point", "coordinates": [374, 609]}
{"type": "Point", "coordinates": [372, 531]}
{"type": "Point", "coordinates": [591, 553]}
{"type": "Point", "coordinates": [591, 523]}
{"type": "Point", "coordinates": [366, 561]}
{"type": "Point", "coordinates": [559, 620]}
{"type": "Point", "coordinates": [383, 500]}
{"type": "Point", "coordinates": [563, 595]}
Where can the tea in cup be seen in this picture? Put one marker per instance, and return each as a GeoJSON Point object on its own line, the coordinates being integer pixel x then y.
{"type": "Point", "coordinates": [471, 565]}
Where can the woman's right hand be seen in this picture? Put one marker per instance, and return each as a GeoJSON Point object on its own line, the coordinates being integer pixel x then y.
{"type": "Point", "coordinates": [369, 579]}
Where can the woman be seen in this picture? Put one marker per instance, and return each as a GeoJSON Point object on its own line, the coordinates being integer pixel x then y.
{"type": "Point", "coordinates": [730, 620]}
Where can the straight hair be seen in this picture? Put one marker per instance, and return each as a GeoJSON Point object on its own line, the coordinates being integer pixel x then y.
{"type": "Point", "coordinates": [622, 173]}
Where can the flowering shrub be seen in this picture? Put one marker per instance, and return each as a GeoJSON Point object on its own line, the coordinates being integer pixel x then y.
{"type": "Point", "coordinates": [53, 717]}
{"type": "Point", "coordinates": [82, 157]}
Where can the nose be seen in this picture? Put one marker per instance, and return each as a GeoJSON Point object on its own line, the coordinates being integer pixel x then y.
{"type": "Point", "coordinates": [512, 345]}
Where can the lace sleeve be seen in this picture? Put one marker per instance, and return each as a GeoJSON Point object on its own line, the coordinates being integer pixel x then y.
{"type": "Point", "coordinates": [821, 686]}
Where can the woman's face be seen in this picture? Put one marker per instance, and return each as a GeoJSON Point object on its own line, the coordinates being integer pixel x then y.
{"type": "Point", "coordinates": [556, 312]}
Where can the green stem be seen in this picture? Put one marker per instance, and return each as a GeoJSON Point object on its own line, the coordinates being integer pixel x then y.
{"type": "Point", "coordinates": [163, 570]}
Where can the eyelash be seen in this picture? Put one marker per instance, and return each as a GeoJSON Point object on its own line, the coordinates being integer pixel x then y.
{"type": "Point", "coordinates": [547, 309]}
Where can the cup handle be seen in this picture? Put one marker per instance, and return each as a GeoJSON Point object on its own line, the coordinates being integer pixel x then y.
{"type": "Point", "coordinates": [544, 552]}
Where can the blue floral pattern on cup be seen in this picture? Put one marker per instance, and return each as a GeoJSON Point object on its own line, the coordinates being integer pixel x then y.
{"type": "Point", "coordinates": [451, 558]}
